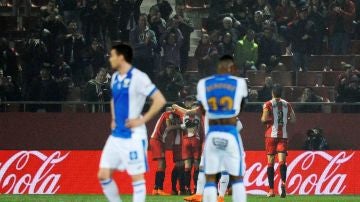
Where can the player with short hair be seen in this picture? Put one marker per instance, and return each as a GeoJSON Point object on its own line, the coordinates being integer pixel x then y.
{"type": "Point", "coordinates": [276, 114]}
{"type": "Point", "coordinates": [126, 147]}
{"type": "Point", "coordinates": [222, 96]}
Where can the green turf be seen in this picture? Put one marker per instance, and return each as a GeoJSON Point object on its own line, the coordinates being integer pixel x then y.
{"type": "Point", "coordinates": [96, 198]}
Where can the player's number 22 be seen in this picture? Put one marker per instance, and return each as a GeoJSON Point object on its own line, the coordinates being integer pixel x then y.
{"type": "Point", "coordinates": [224, 103]}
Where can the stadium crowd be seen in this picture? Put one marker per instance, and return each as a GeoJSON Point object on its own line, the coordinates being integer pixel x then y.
{"type": "Point", "coordinates": [65, 51]}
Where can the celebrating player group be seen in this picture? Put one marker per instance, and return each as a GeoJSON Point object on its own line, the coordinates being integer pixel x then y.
{"type": "Point", "coordinates": [204, 132]}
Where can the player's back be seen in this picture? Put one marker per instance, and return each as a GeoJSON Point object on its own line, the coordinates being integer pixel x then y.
{"type": "Point", "coordinates": [279, 111]}
{"type": "Point", "coordinates": [221, 95]}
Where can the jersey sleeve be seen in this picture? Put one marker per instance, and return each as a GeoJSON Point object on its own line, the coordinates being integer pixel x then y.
{"type": "Point", "coordinates": [243, 88]}
{"type": "Point", "coordinates": [200, 96]}
{"type": "Point", "coordinates": [290, 108]}
{"type": "Point", "coordinates": [145, 86]}
{"type": "Point", "coordinates": [267, 106]}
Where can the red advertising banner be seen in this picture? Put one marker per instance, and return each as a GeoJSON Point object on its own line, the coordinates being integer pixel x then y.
{"type": "Point", "coordinates": [74, 172]}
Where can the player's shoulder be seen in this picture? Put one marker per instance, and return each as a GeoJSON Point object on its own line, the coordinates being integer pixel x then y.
{"type": "Point", "coordinates": [138, 73]}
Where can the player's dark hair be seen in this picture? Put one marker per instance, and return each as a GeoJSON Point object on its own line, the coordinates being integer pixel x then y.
{"type": "Point", "coordinates": [277, 90]}
{"type": "Point", "coordinates": [125, 50]}
{"type": "Point", "coordinates": [226, 58]}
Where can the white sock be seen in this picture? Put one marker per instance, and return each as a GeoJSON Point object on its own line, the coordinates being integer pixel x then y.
{"type": "Point", "coordinates": [238, 191]}
{"type": "Point", "coordinates": [210, 192]}
{"type": "Point", "coordinates": [223, 183]}
{"type": "Point", "coordinates": [110, 190]}
{"type": "Point", "coordinates": [139, 191]}
{"type": "Point", "coordinates": [200, 184]}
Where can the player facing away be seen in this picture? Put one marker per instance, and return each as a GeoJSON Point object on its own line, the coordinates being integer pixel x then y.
{"type": "Point", "coordinates": [126, 147]}
{"type": "Point", "coordinates": [276, 114]}
{"type": "Point", "coordinates": [221, 96]}
{"type": "Point", "coordinates": [157, 144]}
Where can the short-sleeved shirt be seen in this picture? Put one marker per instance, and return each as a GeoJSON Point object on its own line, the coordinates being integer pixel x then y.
{"type": "Point", "coordinates": [221, 95]}
{"type": "Point", "coordinates": [129, 92]}
{"type": "Point", "coordinates": [279, 111]}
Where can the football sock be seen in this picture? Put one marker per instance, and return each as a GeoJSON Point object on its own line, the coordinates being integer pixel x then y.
{"type": "Point", "coordinates": [195, 177]}
{"type": "Point", "coordinates": [187, 178]}
{"type": "Point", "coordinates": [210, 194]}
{"type": "Point", "coordinates": [110, 190]}
{"type": "Point", "coordinates": [181, 174]}
{"type": "Point", "coordinates": [200, 184]}
{"type": "Point", "coordinates": [139, 191]}
{"type": "Point", "coordinates": [283, 169]}
{"type": "Point", "coordinates": [270, 173]}
{"type": "Point", "coordinates": [223, 183]}
{"type": "Point", "coordinates": [174, 178]}
{"type": "Point", "coordinates": [239, 192]}
{"type": "Point", "coordinates": [159, 179]}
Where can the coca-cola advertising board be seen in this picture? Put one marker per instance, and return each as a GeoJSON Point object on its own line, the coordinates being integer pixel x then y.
{"type": "Point", "coordinates": [74, 172]}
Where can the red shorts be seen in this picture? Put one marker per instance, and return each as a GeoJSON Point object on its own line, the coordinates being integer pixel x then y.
{"type": "Point", "coordinates": [157, 148]}
{"type": "Point", "coordinates": [275, 145]}
{"type": "Point", "coordinates": [176, 153]}
{"type": "Point", "coordinates": [191, 148]}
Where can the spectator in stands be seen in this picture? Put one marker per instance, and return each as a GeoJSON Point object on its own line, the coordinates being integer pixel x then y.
{"type": "Point", "coordinates": [241, 11]}
{"type": "Point", "coordinates": [265, 93]}
{"type": "Point", "coordinates": [164, 8]}
{"type": "Point", "coordinates": [285, 12]}
{"type": "Point", "coordinates": [265, 8]}
{"type": "Point", "coordinates": [257, 24]}
{"type": "Point", "coordinates": [348, 85]}
{"type": "Point", "coordinates": [226, 47]}
{"type": "Point", "coordinates": [91, 19]}
{"type": "Point", "coordinates": [98, 90]}
{"type": "Point", "coordinates": [186, 27]}
{"type": "Point", "coordinates": [158, 25]}
{"type": "Point", "coordinates": [74, 44]}
{"type": "Point", "coordinates": [253, 96]}
{"type": "Point", "coordinates": [171, 82]}
{"type": "Point", "coordinates": [8, 60]}
{"type": "Point", "coordinates": [317, 16]}
{"type": "Point", "coordinates": [143, 41]}
{"type": "Point", "coordinates": [62, 74]}
{"type": "Point", "coordinates": [17, 5]}
{"type": "Point", "coordinates": [129, 16]}
{"type": "Point", "coordinates": [172, 41]}
{"type": "Point", "coordinates": [44, 88]}
{"type": "Point", "coordinates": [315, 140]}
{"type": "Point", "coordinates": [94, 57]}
{"type": "Point", "coordinates": [269, 49]}
{"type": "Point", "coordinates": [301, 35]}
{"type": "Point", "coordinates": [228, 28]}
{"type": "Point", "coordinates": [341, 16]}
{"type": "Point", "coordinates": [9, 91]}
{"type": "Point", "coordinates": [309, 95]}
{"type": "Point", "coordinates": [246, 52]}
{"type": "Point", "coordinates": [206, 55]}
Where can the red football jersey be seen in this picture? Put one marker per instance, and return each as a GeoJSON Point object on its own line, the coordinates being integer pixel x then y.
{"type": "Point", "coordinates": [279, 111]}
{"type": "Point", "coordinates": [160, 126]}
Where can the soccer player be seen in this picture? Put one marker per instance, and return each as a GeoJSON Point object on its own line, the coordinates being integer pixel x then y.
{"type": "Point", "coordinates": [157, 145]}
{"type": "Point", "coordinates": [221, 96]}
{"type": "Point", "coordinates": [276, 114]}
{"type": "Point", "coordinates": [191, 142]}
{"type": "Point", "coordinates": [223, 181]}
{"type": "Point", "coordinates": [126, 147]}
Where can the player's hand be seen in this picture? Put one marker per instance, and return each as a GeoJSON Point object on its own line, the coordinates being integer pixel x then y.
{"type": "Point", "coordinates": [133, 123]}
{"type": "Point", "coordinates": [113, 124]}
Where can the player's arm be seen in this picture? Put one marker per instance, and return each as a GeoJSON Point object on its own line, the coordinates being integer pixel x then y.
{"type": "Point", "coordinates": [179, 110]}
{"type": "Point", "coordinates": [113, 123]}
{"type": "Point", "coordinates": [158, 102]}
{"type": "Point", "coordinates": [266, 118]}
{"type": "Point", "coordinates": [292, 116]}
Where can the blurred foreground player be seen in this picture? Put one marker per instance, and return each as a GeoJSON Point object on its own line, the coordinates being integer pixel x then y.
{"type": "Point", "coordinates": [276, 114]}
{"type": "Point", "coordinates": [157, 146]}
{"type": "Point", "coordinates": [221, 96]}
{"type": "Point", "coordinates": [126, 147]}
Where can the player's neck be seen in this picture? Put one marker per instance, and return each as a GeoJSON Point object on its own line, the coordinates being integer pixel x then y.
{"type": "Point", "coordinates": [124, 69]}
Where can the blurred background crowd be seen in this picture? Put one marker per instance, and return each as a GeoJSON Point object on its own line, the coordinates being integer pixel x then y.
{"type": "Point", "coordinates": [56, 50]}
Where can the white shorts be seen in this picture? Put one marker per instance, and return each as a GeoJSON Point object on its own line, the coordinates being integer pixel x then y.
{"type": "Point", "coordinates": [128, 154]}
{"type": "Point", "coordinates": [223, 151]}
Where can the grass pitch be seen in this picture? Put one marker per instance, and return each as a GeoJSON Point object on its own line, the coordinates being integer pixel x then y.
{"type": "Point", "coordinates": [126, 198]}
